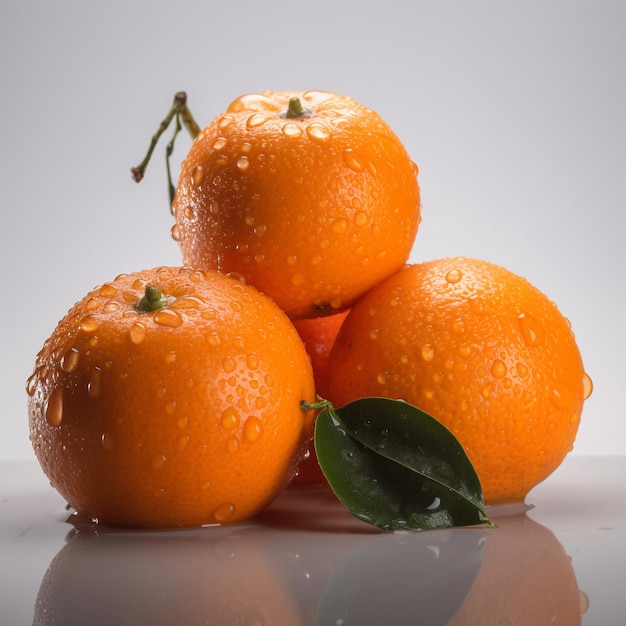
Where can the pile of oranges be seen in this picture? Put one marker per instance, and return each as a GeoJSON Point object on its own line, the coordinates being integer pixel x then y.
{"type": "Point", "coordinates": [172, 396]}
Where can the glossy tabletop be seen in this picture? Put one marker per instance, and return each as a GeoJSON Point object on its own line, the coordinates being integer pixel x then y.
{"type": "Point", "coordinates": [559, 560]}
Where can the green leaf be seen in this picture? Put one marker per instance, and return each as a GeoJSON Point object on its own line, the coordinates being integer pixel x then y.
{"type": "Point", "coordinates": [426, 577]}
{"type": "Point", "coordinates": [396, 467]}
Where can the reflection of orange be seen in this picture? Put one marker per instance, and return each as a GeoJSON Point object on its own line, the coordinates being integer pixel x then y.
{"type": "Point", "coordinates": [313, 206]}
{"type": "Point", "coordinates": [318, 335]}
{"type": "Point", "coordinates": [526, 579]}
{"type": "Point", "coordinates": [182, 415]}
{"type": "Point", "coordinates": [480, 349]}
{"type": "Point", "coordinates": [198, 577]}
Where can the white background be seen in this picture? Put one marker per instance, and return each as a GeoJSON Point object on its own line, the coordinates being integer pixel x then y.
{"type": "Point", "coordinates": [514, 112]}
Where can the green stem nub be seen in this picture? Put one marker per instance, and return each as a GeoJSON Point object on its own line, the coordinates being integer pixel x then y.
{"type": "Point", "coordinates": [295, 109]}
{"type": "Point", "coordinates": [152, 300]}
{"type": "Point", "coordinates": [315, 406]}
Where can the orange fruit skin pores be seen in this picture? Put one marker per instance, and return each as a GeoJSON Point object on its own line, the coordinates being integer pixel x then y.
{"type": "Point", "coordinates": [481, 350]}
{"type": "Point", "coordinates": [182, 416]}
{"type": "Point", "coordinates": [312, 210]}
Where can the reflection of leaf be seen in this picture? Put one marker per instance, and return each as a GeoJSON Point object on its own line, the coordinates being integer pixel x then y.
{"type": "Point", "coordinates": [396, 467]}
{"type": "Point", "coordinates": [417, 578]}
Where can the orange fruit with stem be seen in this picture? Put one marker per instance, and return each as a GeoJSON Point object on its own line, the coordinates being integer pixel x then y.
{"type": "Point", "coordinates": [171, 397]}
{"type": "Point", "coordinates": [310, 196]}
{"type": "Point", "coordinates": [318, 335]}
{"type": "Point", "coordinates": [480, 349]}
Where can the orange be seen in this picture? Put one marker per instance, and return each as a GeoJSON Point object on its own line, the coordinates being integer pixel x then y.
{"type": "Point", "coordinates": [318, 335]}
{"type": "Point", "coordinates": [313, 206]}
{"type": "Point", "coordinates": [227, 576]}
{"type": "Point", "coordinates": [176, 416]}
{"type": "Point", "coordinates": [478, 348]}
{"type": "Point", "coordinates": [526, 578]}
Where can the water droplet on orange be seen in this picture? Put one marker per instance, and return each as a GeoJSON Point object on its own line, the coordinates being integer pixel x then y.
{"type": "Point", "coordinates": [228, 364]}
{"type": "Point", "coordinates": [232, 445]}
{"type": "Point", "coordinates": [428, 352]}
{"type": "Point", "coordinates": [253, 429]}
{"type": "Point", "coordinates": [107, 290]}
{"type": "Point", "coordinates": [361, 218]}
{"type": "Point", "coordinates": [54, 408]}
{"type": "Point", "coordinates": [235, 306]}
{"type": "Point", "coordinates": [256, 119]}
{"type": "Point", "coordinates": [465, 349]}
{"type": "Point", "coordinates": [108, 441]}
{"type": "Point", "coordinates": [224, 512]}
{"type": "Point", "coordinates": [219, 143]}
{"type": "Point", "coordinates": [183, 442]}
{"type": "Point", "coordinates": [213, 339]}
{"type": "Point", "coordinates": [454, 276]}
{"type": "Point", "coordinates": [351, 161]}
{"type": "Point", "coordinates": [382, 378]}
{"type": "Point", "coordinates": [532, 331]}
{"type": "Point", "coordinates": [259, 230]}
{"type": "Point", "coordinates": [498, 369]}
{"type": "Point", "coordinates": [522, 369]}
{"type": "Point", "coordinates": [94, 386]}
{"type": "Point", "coordinates": [196, 276]}
{"type": "Point", "coordinates": [298, 279]}
{"type": "Point", "coordinates": [318, 132]}
{"type": "Point", "coordinates": [339, 226]}
{"type": "Point", "coordinates": [92, 305]}
{"type": "Point", "coordinates": [458, 327]}
{"type": "Point", "coordinates": [187, 303]}
{"type": "Point", "coordinates": [89, 324]}
{"type": "Point", "coordinates": [31, 383]}
{"type": "Point", "coordinates": [587, 386]}
{"type": "Point", "coordinates": [230, 418]}
{"type": "Point", "coordinates": [225, 121]}
{"type": "Point", "coordinates": [291, 129]}
{"type": "Point", "coordinates": [197, 174]}
{"type": "Point", "coordinates": [561, 397]}
{"type": "Point", "coordinates": [584, 602]}
{"type": "Point", "coordinates": [69, 362]}
{"type": "Point", "coordinates": [182, 422]}
{"type": "Point", "coordinates": [137, 333]}
{"type": "Point", "coordinates": [243, 162]}
{"type": "Point", "coordinates": [158, 462]}
{"type": "Point", "coordinates": [168, 317]}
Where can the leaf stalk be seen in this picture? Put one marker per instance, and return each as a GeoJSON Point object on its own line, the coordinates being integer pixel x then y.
{"type": "Point", "coordinates": [181, 113]}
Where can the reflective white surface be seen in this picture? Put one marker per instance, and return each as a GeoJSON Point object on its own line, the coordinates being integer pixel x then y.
{"type": "Point", "coordinates": [307, 561]}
